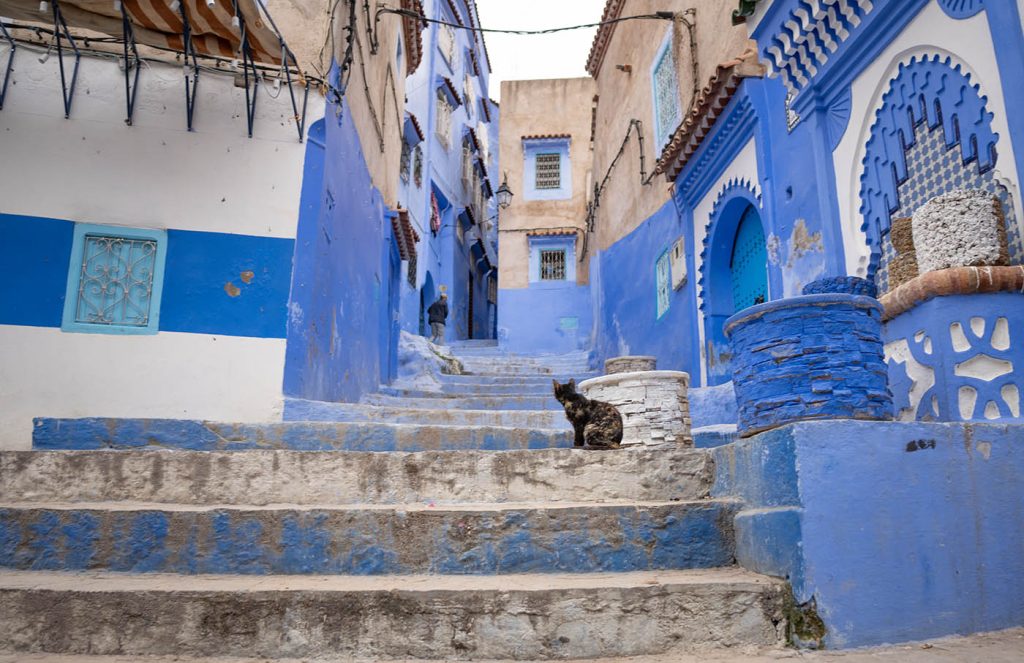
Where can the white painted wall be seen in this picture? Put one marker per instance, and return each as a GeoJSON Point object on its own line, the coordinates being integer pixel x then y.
{"type": "Point", "coordinates": [47, 373]}
{"type": "Point", "coordinates": [93, 168]}
{"type": "Point", "coordinates": [931, 32]}
{"type": "Point", "coordinates": [743, 167]}
{"type": "Point", "coordinates": [154, 174]}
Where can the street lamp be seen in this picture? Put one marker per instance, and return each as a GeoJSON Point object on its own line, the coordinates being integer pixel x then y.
{"type": "Point", "coordinates": [504, 193]}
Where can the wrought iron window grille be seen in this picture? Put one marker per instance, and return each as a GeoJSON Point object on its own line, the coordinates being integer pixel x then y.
{"type": "Point", "coordinates": [552, 265]}
{"type": "Point", "coordinates": [548, 171]}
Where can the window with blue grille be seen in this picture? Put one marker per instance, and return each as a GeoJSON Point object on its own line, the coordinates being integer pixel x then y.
{"type": "Point", "coordinates": [665, 92]}
{"type": "Point", "coordinates": [663, 272]}
{"type": "Point", "coordinates": [115, 280]}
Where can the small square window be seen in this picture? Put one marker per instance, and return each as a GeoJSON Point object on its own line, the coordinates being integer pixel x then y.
{"type": "Point", "coordinates": [115, 280]}
{"type": "Point", "coordinates": [663, 270]}
{"type": "Point", "coordinates": [552, 265]}
{"type": "Point", "coordinates": [548, 171]}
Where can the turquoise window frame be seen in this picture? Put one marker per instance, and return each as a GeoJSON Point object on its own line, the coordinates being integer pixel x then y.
{"type": "Point", "coordinates": [565, 243]}
{"type": "Point", "coordinates": [663, 133]}
{"type": "Point", "coordinates": [665, 259]}
{"type": "Point", "coordinates": [533, 147]}
{"type": "Point", "coordinates": [83, 230]}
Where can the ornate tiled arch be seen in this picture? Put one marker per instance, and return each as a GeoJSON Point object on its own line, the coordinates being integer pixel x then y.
{"type": "Point", "coordinates": [735, 189]}
{"type": "Point", "coordinates": [933, 90]}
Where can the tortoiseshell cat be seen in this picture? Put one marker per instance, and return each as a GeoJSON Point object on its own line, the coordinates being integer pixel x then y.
{"type": "Point", "coordinates": [597, 425]}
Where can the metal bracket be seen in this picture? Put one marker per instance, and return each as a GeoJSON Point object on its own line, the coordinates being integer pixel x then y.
{"type": "Point", "coordinates": [61, 28]}
{"type": "Point", "coordinates": [130, 87]}
{"type": "Point", "coordinates": [247, 64]}
{"type": "Point", "coordinates": [286, 54]}
{"type": "Point", "coordinates": [10, 63]}
{"type": "Point", "coordinates": [191, 85]}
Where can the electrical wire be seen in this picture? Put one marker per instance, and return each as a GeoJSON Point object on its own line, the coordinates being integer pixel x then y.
{"type": "Point", "coordinates": [661, 16]}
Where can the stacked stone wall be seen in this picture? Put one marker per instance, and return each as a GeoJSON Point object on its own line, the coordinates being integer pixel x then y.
{"type": "Point", "coordinates": [654, 405]}
{"type": "Point", "coordinates": [630, 364]}
{"type": "Point", "coordinates": [809, 357]}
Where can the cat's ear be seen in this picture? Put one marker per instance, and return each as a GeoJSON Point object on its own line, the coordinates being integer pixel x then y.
{"type": "Point", "coordinates": [572, 384]}
{"type": "Point", "coordinates": [555, 383]}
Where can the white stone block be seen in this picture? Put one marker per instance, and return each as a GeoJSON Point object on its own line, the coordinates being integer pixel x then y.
{"type": "Point", "coordinates": [959, 229]}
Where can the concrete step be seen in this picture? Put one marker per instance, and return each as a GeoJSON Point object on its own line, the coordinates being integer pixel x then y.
{"type": "Point", "coordinates": [469, 391]}
{"type": "Point", "coordinates": [468, 539]}
{"type": "Point", "coordinates": [539, 381]}
{"type": "Point", "coordinates": [299, 410]}
{"type": "Point", "coordinates": [466, 402]}
{"type": "Point", "coordinates": [297, 435]}
{"type": "Point", "coordinates": [352, 477]}
{"type": "Point", "coordinates": [537, 617]}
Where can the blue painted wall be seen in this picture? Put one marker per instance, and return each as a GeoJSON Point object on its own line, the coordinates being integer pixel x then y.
{"type": "Point", "coordinates": [36, 253]}
{"type": "Point", "coordinates": [547, 318]}
{"type": "Point", "coordinates": [627, 309]}
{"type": "Point", "coordinates": [902, 531]}
{"type": "Point", "coordinates": [199, 265]}
{"type": "Point", "coordinates": [336, 330]}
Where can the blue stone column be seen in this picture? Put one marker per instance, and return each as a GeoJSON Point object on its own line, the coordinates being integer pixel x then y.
{"type": "Point", "coordinates": [816, 356]}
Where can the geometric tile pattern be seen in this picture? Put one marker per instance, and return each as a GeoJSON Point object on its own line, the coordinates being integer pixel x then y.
{"type": "Point", "coordinates": [933, 169]}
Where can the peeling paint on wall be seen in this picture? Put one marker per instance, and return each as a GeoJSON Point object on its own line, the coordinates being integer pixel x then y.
{"type": "Point", "coordinates": [805, 259]}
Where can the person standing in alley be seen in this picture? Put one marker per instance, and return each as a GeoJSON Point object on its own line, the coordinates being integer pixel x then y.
{"type": "Point", "coordinates": [436, 315]}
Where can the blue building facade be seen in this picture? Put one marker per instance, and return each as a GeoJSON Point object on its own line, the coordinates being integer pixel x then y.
{"type": "Point", "coordinates": [788, 174]}
{"type": "Point", "coordinates": [450, 157]}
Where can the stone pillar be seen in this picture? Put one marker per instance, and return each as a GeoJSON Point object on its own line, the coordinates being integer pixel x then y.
{"type": "Point", "coordinates": [654, 405]}
{"type": "Point", "coordinates": [630, 364]}
{"type": "Point", "coordinates": [809, 357]}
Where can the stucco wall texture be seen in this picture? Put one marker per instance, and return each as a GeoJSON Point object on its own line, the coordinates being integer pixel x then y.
{"type": "Point", "coordinates": [527, 111]}
{"type": "Point", "coordinates": [623, 96]}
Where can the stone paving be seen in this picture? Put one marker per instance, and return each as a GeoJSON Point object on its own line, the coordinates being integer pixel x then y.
{"type": "Point", "coordinates": [998, 647]}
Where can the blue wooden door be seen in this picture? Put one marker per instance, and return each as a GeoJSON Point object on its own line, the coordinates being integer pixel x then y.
{"type": "Point", "coordinates": [749, 265]}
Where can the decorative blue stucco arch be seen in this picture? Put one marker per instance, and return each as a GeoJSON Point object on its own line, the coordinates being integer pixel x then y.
{"type": "Point", "coordinates": [930, 89]}
{"type": "Point", "coordinates": [714, 285]}
{"type": "Point", "coordinates": [961, 8]}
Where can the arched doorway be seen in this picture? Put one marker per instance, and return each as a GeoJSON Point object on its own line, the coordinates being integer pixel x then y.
{"type": "Point", "coordinates": [748, 266]}
{"type": "Point", "coordinates": [427, 297]}
{"type": "Point", "coordinates": [734, 272]}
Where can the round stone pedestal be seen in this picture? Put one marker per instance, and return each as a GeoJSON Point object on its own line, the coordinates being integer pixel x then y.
{"type": "Point", "coordinates": [809, 357]}
{"type": "Point", "coordinates": [654, 405]}
{"type": "Point", "coordinates": [630, 364]}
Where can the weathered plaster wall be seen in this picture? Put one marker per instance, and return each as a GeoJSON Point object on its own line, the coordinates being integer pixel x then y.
{"type": "Point", "coordinates": [552, 319]}
{"type": "Point", "coordinates": [930, 32]}
{"type": "Point", "coordinates": [542, 107]}
{"type": "Point", "coordinates": [337, 327]}
{"type": "Point", "coordinates": [45, 372]}
{"type": "Point", "coordinates": [228, 202]}
{"type": "Point", "coordinates": [626, 202]}
{"type": "Point", "coordinates": [627, 319]}
{"type": "Point", "coordinates": [909, 531]}
{"type": "Point", "coordinates": [376, 90]}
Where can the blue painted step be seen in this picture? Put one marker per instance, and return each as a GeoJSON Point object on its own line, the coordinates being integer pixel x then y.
{"type": "Point", "coordinates": [298, 435]}
{"type": "Point", "coordinates": [302, 410]}
{"type": "Point", "coordinates": [466, 402]}
{"type": "Point", "coordinates": [412, 539]}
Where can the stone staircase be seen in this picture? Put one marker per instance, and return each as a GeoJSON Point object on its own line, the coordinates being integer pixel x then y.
{"type": "Point", "coordinates": [456, 523]}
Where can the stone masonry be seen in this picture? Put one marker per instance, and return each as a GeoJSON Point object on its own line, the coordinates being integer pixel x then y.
{"type": "Point", "coordinates": [630, 364]}
{"type": "Point", "coordinates": [654, 405]}
{"type": "Point", "coordinates": [959, 229]}
{"type": "Point", "coordinates": [809, 357]}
